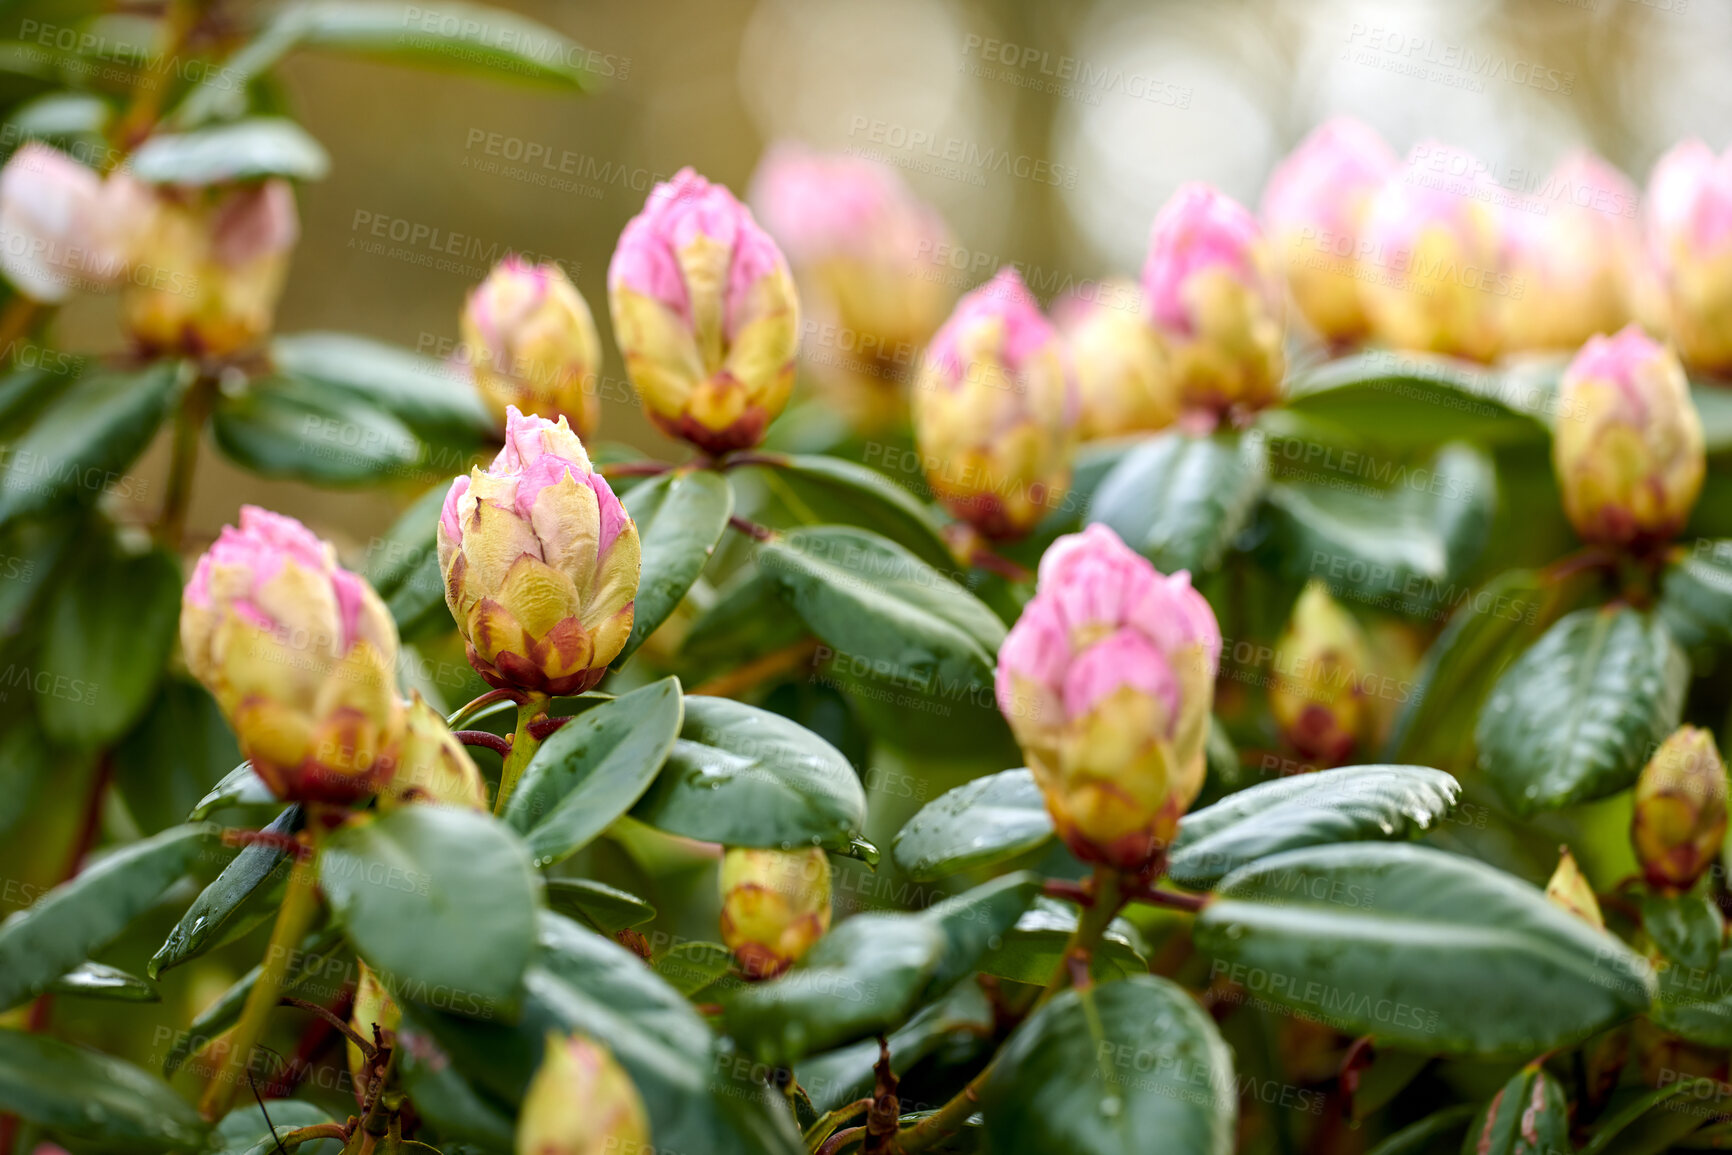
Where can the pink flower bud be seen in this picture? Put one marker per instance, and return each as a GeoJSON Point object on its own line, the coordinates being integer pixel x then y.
{"type": "Point", "coordinates": [531, 343]}
{"type": "Point", "coordinates": [1679, 824]}
{"type": "Point", "coordinates": [1574, 251]}
{"type": "Point", "coordinates": [1314, 208]}
{"type": "Point", "coordinates": [1436, 274]}
{"type": "Point", "coordinates": [1215, 301]}
{"type": "Point", "coordinates": [1123, 380]}
{"type": "Point", "coordinates": [995, 411]}
{"type": "Point", "coordinates": [1107, 680]}
{"type": "Point", "coordinates": [1689, 251]}
{"type": "Point", "coordinates": [300, 654]}
{"type": "Point", "coordinates": [58, 226]}
{"type": "Point", "coordinates": [775, 906]}
{"type": "Point", "coordinates": [581, 1102]}
{"type": "Point", "coordinates": [705, 312]}
{"type": "Point", "coordinates": [209, 266]}
{"type": "Point", "coordinates": [1628, 447]}
{"type": "Point", "coordinates": [540, 561]}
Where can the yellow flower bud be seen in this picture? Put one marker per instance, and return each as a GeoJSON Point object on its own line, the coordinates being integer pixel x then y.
{"type": "Point", "coordinates": [775, 906]}
{"type": "Point", "coordinates": [373, 1007]}
{"type": "Point", "coordinates": [1574, 254]}
{"type": "Point", "coordinates": [581, 1102]}
{"type": "Point", "coordinates": [433, 767]}
{"type": "Point", "coordinates": [1123, 379]}
{"type": "Point", "coordinates": [1321, 662]}
{"type": "Point", "coordinates": [1680, 818]}
{"type": "Point", "coordinates": [531, 343]}
{"type": "Point", "coordinates": [1570, 889]}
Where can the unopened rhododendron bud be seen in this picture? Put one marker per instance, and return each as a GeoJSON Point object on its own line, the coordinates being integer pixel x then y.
{"type": "Point", "coordinates": [208, 265]}
{"type": "Point", "coordinates": [1436, 278]}
{"type": "Point", "coordinates": [1314, 208]}
{"type": "Point", "coordinates": [995, 411]}
{"type": "Point", "coordinates": [531, 343]}
{"type": "Point", "coordinates": [1570, 889]}
{"type": "Point", "coordinates": [1211, 291]}
{"type": "Point", "coordinates": [581, 1102]}
{"type": "Point", "coordinates": [433, 766]}
{"type": "Point", "coordinates": [1688, 226]}
{"type": "Point", "coordinates": [1628, 444]}
{"type": "Point", "coordinates": [373, 1007]}
{"type": "Point", "coordinates": [705, 312]}
{"type": "Point", "coordinates": [1574, 250]}
{"type": "Point", "coordinates": [1680, 819]}
{"type": "Point", "coordinates": [775, 906]}
{"type": "Point", "coordinates": [301, 656]}
{"type": "Point", "coordinates": [59, 228]}
{"type": "Point", "coordinates": [1121, 371]}
{"type": "Point", "coordinates": [1107, 680]}
{"type": "Point", "coordinates": [1321, 663]}
{"type": "Point", "coordinates": [540, 561]}
{"type": "Point", "coordinates": [869, 257]}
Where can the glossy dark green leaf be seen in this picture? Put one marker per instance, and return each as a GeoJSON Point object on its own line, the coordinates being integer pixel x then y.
{"type": "Point", "coordinates": [435, 898]}
{"type": "Point", "coordinates": [93, 1098]}
{"type": "Point", "coordinates": [884, 614]}
{"type": "Point", "coordinates": [239, 896]}
{"type": "Point", "coordinates": [976, 922]}
{"type": "Point", "coordinates": [742, 776]}
{"type": "Point", "coordinates": [1576, 716]}
{"type": "Point", "coordinates": [1348, 804]}
{"type": "Point", "coordinates": [843, 1075]}
{"type": "Point", "coordinates": [299, 430]}
{"type": "Point", "coordinates": [1696, 595]}
{"type": "Point", "coordinates": [1627, 1124]}
{"type": "Point", "coordinates": [1405, 546]}
{"type": "Point", "coordinates": [165, 765]}
{"type": "Point", "coordinates": [81, 445]}
{"type": "Point", "coordinates": [240, 787]}
{"type": "Point", "coordinates": [403, 565]}
{"type": "Point", "coordinates": [33, 551]}
{"type": "Point", "coordinates": [247, 1130]}
{"type": "Point", "coordinates": [64, 926]}
{"type": "Point", "coordinates": [1033, 949]}
{"type": "Point", "coordinates": [27, 765]}
{"type": "Point", "coordinates": [1528, 1116]}
{"type": "Point", "coordinates": [980, 823]}
{"type": "Point", "coordinates": [444, 1097]}
{"type": "Point", "coordinates": [434, 400]}
{"type": "Point", "coordinates": [831, 490]}
{"type": "Point", "coordinates": [593, 769]}
{"type": "Point", "coordinates": [1420, 948]}
{"type": "Point", "coordinates": [1414, 400]}
{"type": "Point", "coordinates": [241, 150]}
{"type": "Point", "coordinates": [606, 909]}
{"type": "Point", "coordinates": [1423, 1136]}
{"type": "Point", "coordinates": [748, 620]}
{"type": "Point", "coordinates": [320, 970]}
{"type": "Point", "coordinates": [680, 517]}
{"type": "Point", "coordinates": [98, 981]}
{"type": "Point", "coordinates": [1103, 1071]}
{"type": "Point", "coordinates": [690, 967]}
{"type": "Point", "coordinates": [1695, 1002]}
{"type": "Point", "coordinates": [1180, 500]}
{"type": "Point", "coordinates": [1687, 928]}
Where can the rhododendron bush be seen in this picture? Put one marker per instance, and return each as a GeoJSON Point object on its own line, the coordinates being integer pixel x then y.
{"type": "Point", "coordinates": [1268, 704]}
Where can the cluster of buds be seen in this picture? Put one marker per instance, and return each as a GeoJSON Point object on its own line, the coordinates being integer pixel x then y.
{"type": "Point", "coordinates": [1680, 819]}
{"type": "Point", "coordinates": [1216, 302]}
{"type": "Point", "coordinates": [581, 1102]}
{"type": "Point", "coordinates": [1123, 383]}
{"type": "Point", "coordinates": [868, 255]}
{"type": "Point", "coordinates": [540, 562]}
{"type": "Point", "coordinates": [1107, 681]}
{"type": "Point", "coordinates": [705, 313]}
{"type": "Point", "coordinates": [1688, 242]}
{"type": "Point", "coordinates": [995, 411]}
{"type": "Point", "coordinates": [531, 343]}
{"type": "Point", "coordinates": [775, 906]}
{"type": "Point", "coordinates": [301, 655]}
{"type": "Point", "coordinates": [1314, 209]}
{"type": "Point", "coordinates": [1318, 697]}
{"type": "Point", "coordinates": [61, 225]}
{"type": "Point", "coordinates": [1628, 447]}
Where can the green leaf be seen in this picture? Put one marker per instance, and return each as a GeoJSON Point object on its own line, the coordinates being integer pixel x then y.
{"type": "Point", "coordinates": [109, 634]}
{"type": "Point", "coordinates": [435, 401]}
{"type": "Point", "coordinates": [282, 427]}
{"type": "Point", "coordinates": [1636, 1111]}
{"type": "Point", "coordinates": [831, 490]}
{"type": "Point", "coordinates": [1104, 1071]}
{"type": "Point", "coordinates": [1420, 948]}
{"type": "Point", "coordinates": [1696, 595]}
{"type": "Point", "coordinates": [435, 899]}
{"type": "Point", "coordinates": [1403, 548]}
{"type": "Point", "coordinates": [1422, 1136]}
{"type": "Point", "coordinates": [1343, 805]}
{"type": "Point", "coordinates": [680, 518]}
{"type": "Point", "coordinates": [690, 967]}
{"type": "Point", "coordinates": [980, 823]}
{"type": "Point", "coordinates": [246, 1131]}
{"type": "Point", "coordinates": [96, 981]}
{"type": "Point", "coordinates": [1033, 949]}
{"type": "Point", "coordinates": [975, 922]}
{"type": "Point", "coordinates": [1687, 928]}
{"type": "Point", "coordinates": [1528, 1116]}
{"type": "Point", "coordinates": [838, 1077]}
{"type": "Point", "coordinates": [444, 1097]}
{"type": "Point", "coordinates": [748, 620]}
{"type": "Point", "coordinates": [1180, 500]}
{"type": "Point", "coordinates": [33, 551]}
{"type": "Point", "coordinates": [93, 1098]}
{"type": "Point", "coordinates": [81, 445]}
{"type": "Point", "coordinates": [1693, 1000]}
{"type": "Point", "coordinates": [1575, 717]}
{"type": "Point", "coordinates": [602, 907]}
{"type": "Point", "coordinates": [241, 788]}
{"type": "Point", "coordinates": [884, 611]}
{"type": "Point", "coordinates": [1415, 401]}
{"type": "Point", "coordinates": [742, 776]}
{"type": "Point", "coordinates": [238, 151]}
{"type": "Point", "coordinates": [593, 769]}
{"type": "Point", "coordinates": [164, 767]}
{"type": "Point", "coordinates": [1713, 402]}
{"type": "Point", "coordinates": [62, 115]}
{"type": "Point", "coordinates": [403, 565]}
{"type": "Point", "coordinates": [44, 941]}
{"type": "Point", "coordinates": [238, 897]}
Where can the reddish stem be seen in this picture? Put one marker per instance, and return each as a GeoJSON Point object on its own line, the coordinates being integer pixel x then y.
{"type": "Point", "coordinates": [1064, 888]}
{"type": "Point", "coordinates": [540, 730]}
{"type": "Point", "coordinates": [501, 746]}
{"type": "Point", "coordinates": [1168, 898]}
{"type": "Point", "coordinates": [752, 529]}
{"type": "Point", "coordinates": [1002, 566]}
